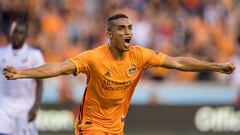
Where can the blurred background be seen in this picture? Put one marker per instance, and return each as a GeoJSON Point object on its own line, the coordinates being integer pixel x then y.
{"type": "Point", "coordinates": [166, 101]}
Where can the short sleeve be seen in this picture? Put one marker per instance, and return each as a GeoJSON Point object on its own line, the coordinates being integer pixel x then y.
{"type": "Point", "coordinates": [82, 62]}
{"type": "Point", "coordinates": [152, 58]}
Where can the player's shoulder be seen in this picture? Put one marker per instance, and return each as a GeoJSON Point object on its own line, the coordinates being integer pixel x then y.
{"type": "Point", "coordinates": [4, 48]}
{"type": "Point", "coordinates": [33, 52]}
{"type": "Point", "coordinates": [137, 49]}
{"type": "Point", "coordinates": [31, 48]}
{"type": "Point", "coordinates": [101, 48]}
{"type": "Point", "coordinates": [99, 51]}
{"type": "Point", "coordinates": [142, 49]}
{"type": "Point", "coordinates": [90, 54]}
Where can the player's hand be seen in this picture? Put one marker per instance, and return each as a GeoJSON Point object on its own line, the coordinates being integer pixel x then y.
{"type": "Point", "coordinates": [227, 68]}
{"type": "Point", "coordinates": [10, 73]}
{"type": "Point", "coordinates": [32, 114]}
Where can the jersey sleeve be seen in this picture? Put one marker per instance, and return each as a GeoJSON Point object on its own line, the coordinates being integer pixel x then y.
{"type": "Point", "coordinates": [152, 58]}
{"type": "Point", "coordinates": [82, 62]}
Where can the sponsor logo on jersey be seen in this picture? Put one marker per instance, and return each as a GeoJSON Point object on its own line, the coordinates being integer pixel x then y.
{"type": "Point", "coordinates": [111, 85]}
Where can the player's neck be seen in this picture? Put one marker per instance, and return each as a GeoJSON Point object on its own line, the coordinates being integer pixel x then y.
{"type": "Point", "coordinates": [17, 47]}
{"type": "Point", "coordinates": [118, 55]}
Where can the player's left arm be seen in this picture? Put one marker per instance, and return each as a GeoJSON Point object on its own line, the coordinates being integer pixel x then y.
{"type": "Point", "coordinates": [191, 64]}
{"type": "Point", "coordinates": [33, 111]}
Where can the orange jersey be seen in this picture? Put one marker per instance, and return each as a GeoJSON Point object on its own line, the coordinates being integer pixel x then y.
{"type": "Point", "coordinates": [110, 85]}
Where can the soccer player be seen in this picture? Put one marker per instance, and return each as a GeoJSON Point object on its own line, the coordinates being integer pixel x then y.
{"type": "Point", "coordinates": [113, 71]}
{"type": "Point", "coordinates": [19, 101]}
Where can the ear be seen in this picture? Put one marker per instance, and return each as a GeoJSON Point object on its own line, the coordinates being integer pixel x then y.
{"type": "Point", "coordinates": [109, 34]}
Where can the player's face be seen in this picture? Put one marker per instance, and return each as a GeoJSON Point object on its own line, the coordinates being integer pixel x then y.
{"type": "Point", "coordinates": [18, 35]}
{"type": "Point", "coordinates": [121, 34]}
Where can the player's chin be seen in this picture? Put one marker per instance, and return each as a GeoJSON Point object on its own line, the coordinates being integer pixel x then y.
{"type": "Point", "coordinates": [126, 46]}
{"type": "Point", "coordinates": [125, 49]}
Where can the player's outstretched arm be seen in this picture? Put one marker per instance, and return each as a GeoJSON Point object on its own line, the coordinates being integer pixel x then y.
{"type": "Point", "coordinates": [45, 71]}
{"type": "Point", "coordinates": [191, 64]}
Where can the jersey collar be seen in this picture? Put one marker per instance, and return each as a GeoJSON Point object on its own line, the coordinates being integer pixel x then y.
{"type": "Point", "coordinates": [16, 52]}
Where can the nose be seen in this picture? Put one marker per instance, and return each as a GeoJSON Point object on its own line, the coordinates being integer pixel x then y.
{"type": "Point", "coordinates": [128, 31]}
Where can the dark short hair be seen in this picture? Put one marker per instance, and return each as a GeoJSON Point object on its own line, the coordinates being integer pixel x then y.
{"type": "Point", "coordinates": [110, 20]}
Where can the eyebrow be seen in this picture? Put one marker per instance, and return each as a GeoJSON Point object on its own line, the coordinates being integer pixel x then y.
{"type": "Point", "coordinates": [124, 25]}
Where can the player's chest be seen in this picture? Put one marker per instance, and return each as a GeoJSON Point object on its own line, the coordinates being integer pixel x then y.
{"type": "Point", "coordinates": [123, 70]}
{"type": "Point", "coordinates": [18, 61]}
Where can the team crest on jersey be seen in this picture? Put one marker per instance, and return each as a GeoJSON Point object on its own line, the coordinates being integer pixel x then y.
{"type": "Point", "coordinates": [132, 70]}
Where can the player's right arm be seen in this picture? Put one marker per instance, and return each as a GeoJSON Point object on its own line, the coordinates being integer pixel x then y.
{"type": "Point", "coordinates": [45, 71]}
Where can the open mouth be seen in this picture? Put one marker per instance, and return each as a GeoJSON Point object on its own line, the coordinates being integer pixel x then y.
{"type": "Point", "coordinates": [127, 40]}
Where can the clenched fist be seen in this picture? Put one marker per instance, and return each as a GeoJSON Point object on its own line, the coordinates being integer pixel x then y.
{"type": "Point", "coordinates": [227, 68]}
{"type": "Point", "coordinates": [10, 73]}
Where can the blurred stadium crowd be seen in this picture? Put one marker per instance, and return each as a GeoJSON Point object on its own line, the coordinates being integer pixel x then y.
{"type": "Point", "coordinates": [204, 29]}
